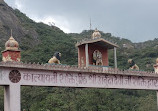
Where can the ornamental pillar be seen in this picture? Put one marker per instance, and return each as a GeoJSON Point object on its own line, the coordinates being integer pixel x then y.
{"type": "Point", "coordinates": [87, 56]}
{"type": "Point", "coordinates": [115, 58]}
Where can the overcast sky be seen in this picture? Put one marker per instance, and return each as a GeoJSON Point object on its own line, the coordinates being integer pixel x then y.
{"type": "Point", "coordinates": [136, 20]}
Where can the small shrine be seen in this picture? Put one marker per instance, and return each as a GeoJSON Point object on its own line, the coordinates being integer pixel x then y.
{"type": "Point", "coordinates": [11, 52]}
{"type": "Point", "coordinates": [94, 51]}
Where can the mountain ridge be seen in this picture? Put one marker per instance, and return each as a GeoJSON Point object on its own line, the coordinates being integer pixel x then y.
{"type": "Point", "coordinates": [9, 19]}
{"type": "Point", "coordinates": [38, 38]}
{"type": "Point", "coordinates": [38, 42]}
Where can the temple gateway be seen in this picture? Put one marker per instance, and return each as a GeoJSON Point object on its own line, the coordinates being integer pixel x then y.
{"type": "Point", "coordinates": [93, 71]}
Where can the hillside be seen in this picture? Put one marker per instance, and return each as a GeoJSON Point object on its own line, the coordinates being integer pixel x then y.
{"type": "Point", "coordinates": [8, 21]}
{"type": "Point", "coordinates": [39, 41]}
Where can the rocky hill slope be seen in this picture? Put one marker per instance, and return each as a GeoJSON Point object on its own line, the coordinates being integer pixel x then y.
{"type": "Point", "coordinates": [8, 21]}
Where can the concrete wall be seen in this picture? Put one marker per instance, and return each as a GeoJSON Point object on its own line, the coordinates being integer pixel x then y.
{"type": "Point", "coordinates": [66, 76]}
{"type": "Point", "coordinates": [11, 56]}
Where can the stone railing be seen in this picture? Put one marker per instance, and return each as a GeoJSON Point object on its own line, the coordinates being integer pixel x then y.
{"type": "Point", "coordinates": [74, 68]}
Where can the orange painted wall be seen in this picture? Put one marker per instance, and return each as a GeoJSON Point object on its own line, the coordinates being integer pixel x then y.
{"type": "Point", "coordinates": [91, 49]}
{"type": "Point", "coordinates": [81, 56]}
{"type": "Point", "coordinates": [104, 51]}
{"type": "Point", "coordinates": [15, 55]}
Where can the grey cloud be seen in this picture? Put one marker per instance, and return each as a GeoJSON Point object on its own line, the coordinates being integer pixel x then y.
{"type": "Point", "coordinates": [136, 20]}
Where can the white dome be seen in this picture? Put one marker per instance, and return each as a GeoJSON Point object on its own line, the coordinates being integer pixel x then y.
{"type": "Point", "coordinates": [11, 44]}
{"type": "Point", "coordinates": [96, 34]}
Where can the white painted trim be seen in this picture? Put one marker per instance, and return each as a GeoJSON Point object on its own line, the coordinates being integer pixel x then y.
{"type": "Point", "coordinates": [87, 57]}
{"type": "Point", "coordinates": [115, 57]}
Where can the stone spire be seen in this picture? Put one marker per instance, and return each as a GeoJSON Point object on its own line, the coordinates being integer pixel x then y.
{"type": "Point", "coordinates": [11, 44]}
{"type": "Point", "coordinates": [11, 52]}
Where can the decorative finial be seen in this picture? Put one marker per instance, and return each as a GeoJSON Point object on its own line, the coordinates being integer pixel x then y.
{"type": "Point", "coordinates": [11, 32]}
{"type": "Point", "coordinates": [11, 44]}
{"type": "Point", "coordinates": [11, 52]}
{"type": "Point", "coordinates": [96, 34]}
{"type": "Point", "coordinates": [90, 25]}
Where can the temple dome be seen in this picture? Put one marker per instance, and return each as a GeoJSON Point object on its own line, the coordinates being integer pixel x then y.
{"type": "Point", "coordinates": [96, 34]}
{"type": "Point", "coordinates": [11, 44]}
